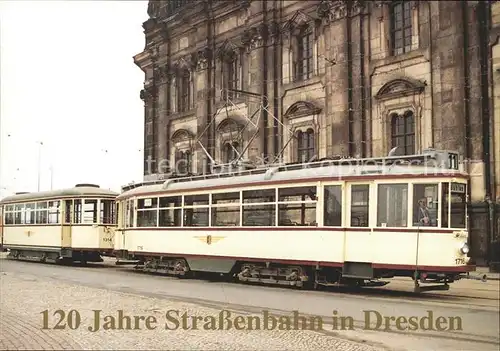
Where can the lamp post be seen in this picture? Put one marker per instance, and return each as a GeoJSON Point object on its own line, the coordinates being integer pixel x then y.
{"type": "Point", "coordinates": [39, 161]}
{"type": "Point", "coordinates": [1, 157]}
{"type": "Point", "coordinates": [51, 176]}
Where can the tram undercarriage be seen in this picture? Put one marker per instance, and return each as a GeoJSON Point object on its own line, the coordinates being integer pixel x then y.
{"type": "Point", "coordinates": [306, 277]}
{"type": "Point", "coordinates": [61, 256]}
{"type": "Point", "coordinates": [265, 273]}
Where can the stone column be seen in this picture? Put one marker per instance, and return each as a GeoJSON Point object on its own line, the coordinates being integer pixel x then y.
{"type": "Point", "coordinates": [162, 117]}
{"type": "Point", "coordinates": [336, 87]}
{"type": "Point", "coordinates": [256, 82]}
{"type": "Point", "coordinates": [202, 113]}
{"type": "Point", "coordinates": [273, 76]}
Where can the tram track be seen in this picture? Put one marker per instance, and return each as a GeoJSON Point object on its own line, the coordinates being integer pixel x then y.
{"type": "Point", "coordinates": [115, 282]}
{"type": "Point", "coordinates": [382, 293]}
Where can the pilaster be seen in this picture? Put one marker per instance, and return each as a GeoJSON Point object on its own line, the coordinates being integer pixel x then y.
{"type": "Point", "coordinates": [255, 39]}
{"type": "Point", "coordinates": [203, 93]}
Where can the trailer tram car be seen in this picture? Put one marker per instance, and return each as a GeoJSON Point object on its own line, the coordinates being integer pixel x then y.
{"type": "Point", "coordinates": [68, 225]}
{"type": "Point", "coordinates": [326, 223]}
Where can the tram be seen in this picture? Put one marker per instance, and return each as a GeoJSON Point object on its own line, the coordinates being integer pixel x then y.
{"type": "Point", "coordinates": [67, 225]}
{"type": "Point", "coordinates": [348, 221]}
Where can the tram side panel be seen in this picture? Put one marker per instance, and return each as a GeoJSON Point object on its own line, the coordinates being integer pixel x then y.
{"type": "Point", "coordinates": [437, 250]}
{"type": "Point", "coordinates": [33, 237]}
{"type": "Point", "coordinates": [107, 238]}
{"type": "Point", "coordinates": [301, 247]}
{"type": "Point", "coordinates": [92, 238]}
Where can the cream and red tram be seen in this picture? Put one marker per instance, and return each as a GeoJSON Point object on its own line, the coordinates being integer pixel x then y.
{"type": "Point", "coordinates": [66, 225]}
{"type": "Point", "coordinates": [347, 221]}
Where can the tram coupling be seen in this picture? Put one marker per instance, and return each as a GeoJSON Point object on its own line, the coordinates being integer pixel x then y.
{"type": "Point", "coordinates": [482, 278]}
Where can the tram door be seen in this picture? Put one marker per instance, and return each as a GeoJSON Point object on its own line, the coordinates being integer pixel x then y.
{"type": "Point", "coordinates": [358, 237]}
{"type": "Point", "coordinates": [66, 227]}
{"type": "Point", "coordinates": [120, 236]}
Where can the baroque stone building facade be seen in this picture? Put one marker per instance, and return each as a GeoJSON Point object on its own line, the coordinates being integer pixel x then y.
{"type": "Point", "coordinates": [349, 78]}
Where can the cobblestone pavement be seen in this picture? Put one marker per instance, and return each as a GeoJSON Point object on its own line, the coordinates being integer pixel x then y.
{"type": "Point", "coordinates": [24, 296]}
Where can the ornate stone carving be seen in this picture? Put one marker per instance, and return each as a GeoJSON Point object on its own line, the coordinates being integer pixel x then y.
{"type": "Point", "coordinates": [323, 10]}
{"type": "Point", "coordinates": [298, 19]}
{"type": "Point", "coordinates": [357, 7]}
{"type": "Point", "coordinates": [163, 74]}
{"type": "Point", "coordinates": [302, 108]}
{"type": "Point", "coordinates": [181, 135]}
{"type": "Point", "coordinates": [273, 31]}
{"type": "Point", "coordinates": [330, 11]}
{"type": "Point", "coordinates": [148, 94]}
{"type": "Point", "coordinates": [154, 8]}
{"type": "Point", "coordinates": [187, 62]}
{"type": "Point", "coordinates": [254, 37]}
{"type": "Point", "coordinates": [153, 51]}
{"type": "Point", "coordinates": [202, 57]}
{"type": "Point", "coordinates": [399, 87]}
{"type": "Point", "coordinates": [227, 50]}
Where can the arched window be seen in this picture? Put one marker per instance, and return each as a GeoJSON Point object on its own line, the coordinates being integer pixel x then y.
{"type": "Point", "coordinates": [305, 145]}
{"type": "Point", "coordinates": [183, 162]}
{"type": "Point", "coordinates": [230, 153]}
{"type": "Point", "coordinates": [403, 132]}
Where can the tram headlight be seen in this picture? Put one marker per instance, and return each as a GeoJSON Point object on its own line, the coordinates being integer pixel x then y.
{"type": "Point", "coordinates": [464, 249]}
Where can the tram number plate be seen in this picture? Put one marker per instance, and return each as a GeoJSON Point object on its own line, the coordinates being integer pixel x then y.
{"type": "Point", "coordinates": [459, 261]}
{"type": "Point", "coordinates": [107, 240]}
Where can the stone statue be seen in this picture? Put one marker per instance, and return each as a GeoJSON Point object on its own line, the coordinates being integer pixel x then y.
{"type": "Point", "coordinates": [153, 8]}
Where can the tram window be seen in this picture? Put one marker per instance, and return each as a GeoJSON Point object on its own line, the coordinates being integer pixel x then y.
{"type": "Point", "coordinates": [30, 214]}
{"type": "Point", "coordinates": [54, 212]}
{"type": "Point", "coordinates": [226, 216]}
{"type": "Point", "coordinates": [333, 206]}
{"type": "Point", "coordinates": [171, 201]}
{"type": "Point", "coordinates": [196, 200]}
{"type": "Point", "coordinates": [256, 196]}
{"type": "Point", "coordinates": [9, 218]}
{"type": "Point", "coordinates": [170, 217]}
{"type": "Point", "coordinates": [119, 214]}
{"type": "Point", "coordinates": [458, 199]}
{"type": "Point", "coordinates": [196, 217]}
{"type": "Point", "coordinates": [425, 205]}
{"type": "Point", "coordinates": [77, 211]}
{"type": "Point", "coordinates": [226, 199]}
{"type": "Point", "coordinates": [107, 213]}
{"type": "Point", "coordinates": [302, 214]}
{"type": "Point", "coordinates": [18, 216]}
{"type": "Point", "coordinates": [303, 193]}
{"type": "Point", "coordinates": [90, 211]}
{"type": "Point", "coordinates": [129, 214]}
{"type": "Point", "coordinates": [147, 203]}
{"type": "Point", "coordinates": [259, 215]}
{"type": "Point", "coordinates": [392, 207]}
{"type": "Point", "coordinates": [42, 215]}
{"type": "Point", "coordinates": [147, 218]}
{"type": "Point", "coordinates": [67, 211]}
{"type": "Point", "coordinates": [360, 205]}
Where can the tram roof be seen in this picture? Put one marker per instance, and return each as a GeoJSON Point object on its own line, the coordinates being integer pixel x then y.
{"type": "Point", "coordinates": [80, 190]}
{"type": "Point", "coordinates": [272, 176]}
